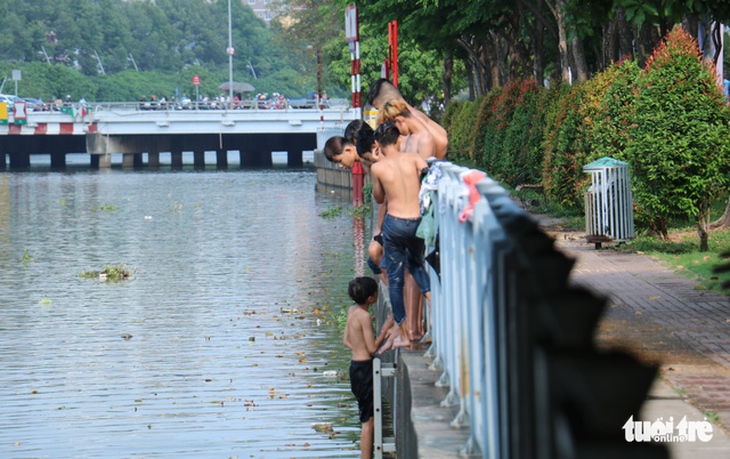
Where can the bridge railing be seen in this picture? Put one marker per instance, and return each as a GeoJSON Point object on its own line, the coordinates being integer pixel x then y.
{"type": "Point", "coordinates": [513, 340]}
{"type": "Point", "coordinates": [149, 105]}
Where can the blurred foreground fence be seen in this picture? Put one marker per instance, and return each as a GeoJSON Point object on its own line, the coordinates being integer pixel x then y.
{"type": "Point", "coordinates": [513, 340]}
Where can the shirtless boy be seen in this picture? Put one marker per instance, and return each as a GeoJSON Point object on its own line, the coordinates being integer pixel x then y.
{"type": "Point", "coordinates": [383, 90]}
{"type": "Point", "coordinates": [418, 138]}
{"type": "Point", "coordinates": [342, 150]}
{"type": "Point", "coordinates": [359, 338]}
{"type": "Point", "coordinates": [397, 177]}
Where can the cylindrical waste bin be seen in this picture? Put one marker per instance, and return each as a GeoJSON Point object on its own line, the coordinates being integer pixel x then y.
{"type": "Point", "coordinates": [609, 202]}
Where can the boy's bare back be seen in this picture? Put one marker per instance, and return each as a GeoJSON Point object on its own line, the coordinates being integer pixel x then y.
{"type": "Point", "coordinates": [398, 177]}
{"type": "Point", "coordinates": [359, 333]}
{"type": "Point", "coordinates": [421, 143]}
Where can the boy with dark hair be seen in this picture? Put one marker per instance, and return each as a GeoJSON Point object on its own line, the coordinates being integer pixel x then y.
{"type": "Point", "coordinates": [340, 151]}
{"type": "Point", "coordinates": [383, 90]}
{"type": "Point", "coordinates": [359, 338]}
{"type": "Point", "coordinates": [397, 177]}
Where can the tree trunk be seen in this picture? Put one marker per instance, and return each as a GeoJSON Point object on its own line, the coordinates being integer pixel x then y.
{"type": "Point", "coordinates": [648, 37]}
{"type": "Point", "coordinates": [557, 7]}
{"type": "Point", "coordinates": [470, 75]}
{"type": "Point", "coordinates": [724, 221]}
{"type": "Point", "coordinates": [610, 43]}
{"type": "Point", "coordinates": [702, 230]}
{"type": "Point", "coordinates": [490, 57]}
{"type": "Point", "coordinates": [480, 61]}
{"type": "Point", "coordinates": [537, 36]}
{"type": "Point", "coordinates": [625, 36]}
{"type": "Point", "coordinates": [447, 75]}
{"type": "Point", "coordinates": [580, 67]}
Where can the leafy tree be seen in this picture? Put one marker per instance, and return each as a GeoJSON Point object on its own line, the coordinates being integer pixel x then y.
{"type": "Point", "coordinates": [680, 140]}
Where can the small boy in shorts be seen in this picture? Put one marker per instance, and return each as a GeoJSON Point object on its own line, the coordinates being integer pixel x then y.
{"type": "Point", "coordinates": [359, 338]}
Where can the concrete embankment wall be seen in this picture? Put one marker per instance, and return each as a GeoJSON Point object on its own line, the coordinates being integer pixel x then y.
{"type": "Point", "coordinates": [329, 174]}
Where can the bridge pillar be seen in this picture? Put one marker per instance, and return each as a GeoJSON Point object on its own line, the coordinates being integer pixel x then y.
{"type": "Point", "coordinates": [221, 158]}
{"type": "Point", "coordinates": [254, 157]}
{"type": "Point", "coordinates": [153, 159]}
{"type": "Point", "coordinates": [294, 158]}
{"type": "Point", "coordinates": [58, 160]}
{"type": "Point", "coordinates": [103, 161]}
{"type": "Point", "coordinates": [3, 164]}
{"type": "Point", "coordinates": [19, 160]}
{"type": "Point", "coordinates": [199, 159]}
{"type": "Point", "coordinates": [130, 160]}
{"type": "Point", "coordinates": [177, 159]}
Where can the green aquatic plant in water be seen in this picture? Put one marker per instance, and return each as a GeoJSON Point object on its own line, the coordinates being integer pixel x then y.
{"type": "Point", "coordinates": [107, 207]}
{"type": "Point", "coordinates": [332, 212]}
{"type": "Point", "coordinates": [26, 258]}
{"type": "Point", "coordinates": [110, 273]}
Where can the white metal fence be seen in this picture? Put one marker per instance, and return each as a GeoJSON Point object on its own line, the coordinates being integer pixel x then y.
{"type": "Point", "coordinates": [513, 340]}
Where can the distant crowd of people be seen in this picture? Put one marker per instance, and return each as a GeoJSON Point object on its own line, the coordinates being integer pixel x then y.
{"type": "Point", "coordinates": [260, 101]}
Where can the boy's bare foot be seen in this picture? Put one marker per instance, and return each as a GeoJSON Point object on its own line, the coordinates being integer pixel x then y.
{"type": "Point", "coordinates": [400, 342]}
{"type": "Point", "coordinates": [388, 345]}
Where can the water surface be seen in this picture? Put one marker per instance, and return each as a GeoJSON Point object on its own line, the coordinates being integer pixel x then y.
{"type": "Point", "coordinates": [235, 278]}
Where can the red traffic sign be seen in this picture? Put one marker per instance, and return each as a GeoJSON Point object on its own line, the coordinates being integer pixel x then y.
{"type": "Point", "coordinates": [196, 80]}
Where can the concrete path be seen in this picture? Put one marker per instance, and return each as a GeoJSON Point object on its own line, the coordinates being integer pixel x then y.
{"type": "Point", "coordinates": [659, 316]}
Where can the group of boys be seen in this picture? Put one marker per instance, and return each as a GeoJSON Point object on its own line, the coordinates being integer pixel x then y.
{"type": "Point", "coordinates": [394, 155]}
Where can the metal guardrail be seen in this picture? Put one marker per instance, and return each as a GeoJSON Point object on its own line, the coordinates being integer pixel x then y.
{"type": "Point", "coordinates": [285, 106]}
{"type": "Point", "coordinates": [514, 341]}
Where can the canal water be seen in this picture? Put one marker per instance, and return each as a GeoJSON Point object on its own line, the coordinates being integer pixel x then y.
{"type": "Point", "coordinates": [236, 281]}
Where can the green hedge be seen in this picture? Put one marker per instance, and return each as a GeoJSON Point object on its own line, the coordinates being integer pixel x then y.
{"type": "Point", "coordinates": [669, 121]}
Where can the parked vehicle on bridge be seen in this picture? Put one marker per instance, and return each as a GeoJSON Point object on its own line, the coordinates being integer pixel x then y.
{"type": "Point", "coordinates": [10, 99]}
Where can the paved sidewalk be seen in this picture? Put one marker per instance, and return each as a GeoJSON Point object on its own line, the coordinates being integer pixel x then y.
{"type": "Point", "coordinates": [659, 316]}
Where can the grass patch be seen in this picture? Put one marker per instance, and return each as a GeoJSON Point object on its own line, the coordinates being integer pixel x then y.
{"type": "Point", "coordinates": [681, 253]}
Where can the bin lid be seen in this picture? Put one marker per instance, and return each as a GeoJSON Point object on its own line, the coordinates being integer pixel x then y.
{"type": "Point", "coordinates": [604, 163]}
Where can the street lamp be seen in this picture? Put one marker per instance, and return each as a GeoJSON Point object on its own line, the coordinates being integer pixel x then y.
{"type": "Point", "coordinates": [230, 52]}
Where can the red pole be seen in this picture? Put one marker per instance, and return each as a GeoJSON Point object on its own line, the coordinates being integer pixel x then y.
{"type": "Point", "coordinates": [395, 53]}
{"type": "Point", "coordinates": [358, 179]}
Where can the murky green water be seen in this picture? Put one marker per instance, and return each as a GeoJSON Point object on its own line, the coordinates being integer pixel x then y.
{"type": "Point", "coordinates": [218, 365]}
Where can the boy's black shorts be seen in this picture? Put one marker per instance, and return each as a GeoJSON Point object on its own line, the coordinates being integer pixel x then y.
{"type": "Point", "coordinates": [361, 383]}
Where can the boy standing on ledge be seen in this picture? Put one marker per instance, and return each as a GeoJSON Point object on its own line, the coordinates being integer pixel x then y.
{"type": "Point", "coordinates": [359, 338]}
{"type": "Point", "coordinates": [397, 177]}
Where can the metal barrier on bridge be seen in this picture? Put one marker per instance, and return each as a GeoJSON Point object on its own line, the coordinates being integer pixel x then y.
{"type": "Point", "coordinates": [514, 341]}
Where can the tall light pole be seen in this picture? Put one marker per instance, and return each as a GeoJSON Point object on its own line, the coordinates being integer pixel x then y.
{"type": "Point", "coordinates": [230, 57]}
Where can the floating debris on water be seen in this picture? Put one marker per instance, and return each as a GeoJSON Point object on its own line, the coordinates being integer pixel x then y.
{"type": "Point", "coordinates": [323, 427]}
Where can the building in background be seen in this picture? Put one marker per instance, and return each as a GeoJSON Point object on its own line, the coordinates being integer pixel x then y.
{"type": "Point", "coordinates": [264, 9]}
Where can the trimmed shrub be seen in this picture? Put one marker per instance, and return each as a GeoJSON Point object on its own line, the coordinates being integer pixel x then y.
{"type": "Point", "coordinates": [616, 112]}
{"type": "Point", "coordinates": [451, 111]}
{"type": "Point", "coordinates": [561, 180]}
{"type": "Point", "coordinates": [522, 147]}
{"type": "Point", "coordinates": [495, 130]}
{"type": "Point", "coordinates": [462, 130]}
{"type": "Point", "coordinates": [484, 117]}
{"type": "Point", "coordinates": [680, 142]}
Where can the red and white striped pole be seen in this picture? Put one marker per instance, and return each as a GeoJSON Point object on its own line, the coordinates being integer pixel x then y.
{"type": "Point", "coordinates": [357, 70]}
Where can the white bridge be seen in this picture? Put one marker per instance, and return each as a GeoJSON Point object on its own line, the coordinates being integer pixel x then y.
{"type": "Point", "coordinates": [139, 132]}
